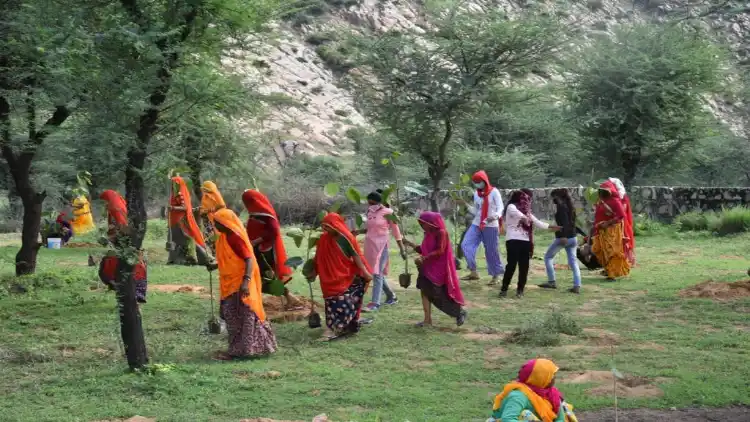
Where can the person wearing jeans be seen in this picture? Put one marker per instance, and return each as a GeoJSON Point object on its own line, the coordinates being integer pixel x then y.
{"type": "Point", "coordinates": [565, 238]}
{"type": "Point", "coordinates": [378, 231]}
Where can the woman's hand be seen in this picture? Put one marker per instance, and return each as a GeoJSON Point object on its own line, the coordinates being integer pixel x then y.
{"type": "Point", "coordinates": [367, 276]}
{"type": "Point", "coordinates": [245, 287]}
{"type": "Point", "coordinates": [554, 228]}
{"type": "Point", "coordinates": [418, 261]}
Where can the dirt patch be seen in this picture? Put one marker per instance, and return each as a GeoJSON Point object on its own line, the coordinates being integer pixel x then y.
{"type": "Point", "coordinates": [133, 419]}
{"type": "Point", "coordinates": [494, 357]}
{"type": "Point", "coordinates": [274, 307]}
{"type": "Point", "coordinates": [682, 415]}
{"type": "Point", "coordinates": [75, 245]}
{"type": "Point", "coordinates": [485, 334]}
{"type": "Point", "coordinates": [629, 386]}
{"type": "Point", "coordinates": [180, 288]}
{"type": "Point", "coordinates": [589, 351]}
{"type": "Point", "coordinates": [718, 290]}
{"type": "Point", "coordinates": [475, 305]}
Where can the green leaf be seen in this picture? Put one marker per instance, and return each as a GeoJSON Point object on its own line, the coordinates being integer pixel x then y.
{"type": "Point", "coordinates": [617, 374]}
{"type": "Point", "coordinates": [313, 240]}
{"type": "Point", "coordinates": [321, 215]}
{"type": "Point", "coordinates": [395, 154]}
{"type": "Point", "coordinates": [360, 220]}
{"type": "Point", "coordinates": [294, 262]}
{"type": "Point", "coordinates": [336, 207]}
{"type": "Point", "coordinates": [387, 192]}
{"type": "Point", "coordinates": [332, 189]}
{"type": "Point", "coordinates": [275, 287]}
{"type": "Point", "coordinates": [297, 234]}
{"type": "Point", "coordinates": [393, 218]}
{"type": "Point", "coordinates": [354, 196]}
{"type": "Point", "coordinates": [465, 179]}
{"type": "Point", "coordinates": [308, 268]}
{"type": "Point", "coordinates": [385, 161]}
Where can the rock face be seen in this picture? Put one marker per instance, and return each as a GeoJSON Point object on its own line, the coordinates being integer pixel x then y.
{"type": "Point", "coordinates": [299, 63]}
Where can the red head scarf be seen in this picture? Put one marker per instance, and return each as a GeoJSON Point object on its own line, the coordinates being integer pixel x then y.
{"type": "Point", "coordinates": [258, 205]}
{"type": "Point", "coordinates": [479, 177]}
{"type": "Point", "coordinates": [117, 208]}
{"type": "Point", "coordinates": [335, 270]}
{"type": "Point", "coordinates": [185, 218]}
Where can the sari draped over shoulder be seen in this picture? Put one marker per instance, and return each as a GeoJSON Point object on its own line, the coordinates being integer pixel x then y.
{"type": "Point", "coordinates": [117, 212]}
{"type": "Point", "coordinates": [263, 223]}
{"type": "Point", "coordinates": [610, 245]}
{"type": "Point", "coordinates": [533, 381]}
{"type": "Point", "coordinates": [184, 218]}
{"type": "Point", "coordinates": [335, 269]}
{"type": "Point", "coordinates": [211, 200]}
{"type": "Point", "coordinates": [439, 265]}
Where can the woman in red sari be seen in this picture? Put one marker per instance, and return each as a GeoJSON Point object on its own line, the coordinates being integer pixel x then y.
{"type": "Point", "coordinates": [344, 276]}
{"type": "Point", "coordinates": [117, 222]}
{"type": "Point", "coordinates": [628, 221]}
{"type": "Point", "coordinates": [264, 232]}
{"type": "Point", "coordinates": [610, 243]}
{"type": "Point", "coordinates": [184, 229]}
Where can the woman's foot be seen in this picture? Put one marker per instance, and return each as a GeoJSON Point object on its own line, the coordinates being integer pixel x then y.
{"type": "Point", "coordinates": [471, 277]}
{"type": "Point", "coordinates": [462, 317]}
{"type": "Point", "coordinates": [548, 285]}
{"type": "Point", "coordinates": [519, 294]}
{"type": "Point", "coordinates": [493, 282]}
{"type": "Point", "coordinates": [371, 307]}
{"type": "Point", "coordinates": [423, 324]}
{"type": "Point", "coordinates": [503, 294]}
{"type": "Point", "coordinates": [575, 289]}
{"type": "Point", "coordinates": [391, 301]}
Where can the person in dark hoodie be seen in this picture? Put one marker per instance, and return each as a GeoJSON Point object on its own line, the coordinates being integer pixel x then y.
{"type": "Point", "coordinates": [565, 238]}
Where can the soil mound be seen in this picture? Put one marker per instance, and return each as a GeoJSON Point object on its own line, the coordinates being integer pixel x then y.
{"type": "Point", "coordinates": [275, 311]}
{"type": "Point", "coordinates": [631, 387]}
{"type": "Point", "coordinates": [78, 245]}
{"type": "Point", "coordinates": [179, 288]}
{"type": "Point", "coordinates": [718, 290]}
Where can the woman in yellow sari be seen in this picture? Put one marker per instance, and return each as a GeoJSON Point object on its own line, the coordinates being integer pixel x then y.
{"type": "Point", "coordinates": [250, 335]}
{"type": "Point", "coordinates": [610, 244]}
{"type": "Point", "coordinates": [82, 222]}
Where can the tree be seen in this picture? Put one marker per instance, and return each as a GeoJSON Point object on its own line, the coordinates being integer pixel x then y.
{"type": "Point", "coordinates": [638, 96]}
{"type": "Point", "coordinates": [42, 57]}
{"type": "Point", "coordinates": [424, 87]}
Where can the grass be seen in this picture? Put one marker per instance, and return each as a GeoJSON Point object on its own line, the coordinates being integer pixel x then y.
{"type": "Point", "coordinates": [61, 357]}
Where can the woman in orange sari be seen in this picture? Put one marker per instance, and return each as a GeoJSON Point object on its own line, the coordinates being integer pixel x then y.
{"type": "Point", "coordinates": [610, 244]}
{"type": "Point", "coordinates": [344, 276]}
{"type": "Point", "coordinates": [184, 229]}
{"type": "Point", "coordinates": [264, 232]}
{"type": "Point", "coordinates": [250, 335]}
{"type": "Point", "coordinates": [211, 201]}
{"type": "Point", "coordinates": [117, 222]}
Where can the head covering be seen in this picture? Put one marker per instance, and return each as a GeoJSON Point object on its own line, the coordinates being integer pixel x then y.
{"type": "Point", "coordinates": [82, 222]}
{"type": "Point", "coordinates": [117, 208]}
{"type": "Point", "coordinates": [620, 187]}
{"type": "Point", "coordinates": [185, 218]}
{"type": "Point", "coordinates": [440, 269]}
{"type": "Point", "coordinates": [534, 381]}
{"type": "Point", "coordinates": [484, 193]}
{"type": "Point", "coordinates": [335, 270]}
{"type": "Point", "coordinates": [258, 204]}
{"type": "Point", "coordinates": [524, 205]}
{"type": "Point", "coordinates": [211, 200]}
{"type": "Point", "coordinates": [232, 267]}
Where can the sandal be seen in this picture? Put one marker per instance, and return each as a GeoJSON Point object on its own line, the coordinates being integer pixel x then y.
{"type": "Point", "coordinates": [422, 324]}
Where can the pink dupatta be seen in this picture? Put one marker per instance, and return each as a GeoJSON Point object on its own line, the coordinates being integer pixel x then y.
{"type": "Point", "coordinates": [439, 265]}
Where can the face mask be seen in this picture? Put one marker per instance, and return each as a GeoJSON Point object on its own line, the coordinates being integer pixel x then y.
{"type": "Point", "coordinates": [479, 185]}
{"type": "Point", "coordinates": [375, 207]}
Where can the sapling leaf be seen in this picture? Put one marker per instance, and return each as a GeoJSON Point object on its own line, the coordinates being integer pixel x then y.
{"type": "Point", "coordinates": [465, 179]}
{"type": "Point", "coordinates": [395, 154]}
{"type": "Point", "coordinates": [385, 161]}
{"type": "Point", "coordinates": [353, 196]}
{"type": "Point", "coordinates": [332, 189]}
{"type": "Point", "coordinates": [617, 374]}
{"type": "Point", "coordinates": [294, 262]}
{"type": "Point", "coordinates": [275, 287]}
{"type": "Point", "coordinates": [359, 219]}
{"type": "Point", "coordinates": [335, 208]}
{"type": "Point", "coordinates": [321, 215]}
{"type": "Point", "coordinates": [393, 218]}
{"type": "Point", "coordinates": [298, 235]}
{"type": "Point", "coordinates": [308, 268]}
{"type": "Point", "coordinates": [312, 241]}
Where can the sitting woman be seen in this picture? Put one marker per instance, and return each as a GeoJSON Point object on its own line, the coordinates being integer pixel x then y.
{"type": "Point", "coordinates": [108, 274]}
{"type": "Point", "coordinates": [250, 335]}
{"type": "Point", "coordinates": [533, 396]}
{"type": "Point", "coordinates": [610, 244]}
{"type": "Point", "coordinates": [438, 279]}
{"type": "Point", "coordinates": [344, 276]}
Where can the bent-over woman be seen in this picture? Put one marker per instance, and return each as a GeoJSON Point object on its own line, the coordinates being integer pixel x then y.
{"type": "Point", "coordinates": [264, 232]}
{"type": "Point", "coordinates": [249, 334]}
{"type": "Point", "coordinates": [185, 231]}
{"type": "Point", "coordinates": [344, 275]}
{"type": "Point", "coordinates": [438, 280]}
{"type": "Point", "coordinates": [533, 396]}
{"type": "Point", "coordinates": [610, 244]}
{"type": "Point", "coordinates": [211, 201]}
{"type": "Point", "coordinates": [83, 221]}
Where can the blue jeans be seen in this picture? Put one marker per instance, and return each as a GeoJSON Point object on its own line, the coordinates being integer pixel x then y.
{"type": "Point", "coordinates": [379, 283]}
{"type": "Point", "coordinates": [570, 250]}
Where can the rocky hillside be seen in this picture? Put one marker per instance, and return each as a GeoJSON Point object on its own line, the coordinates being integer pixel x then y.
{"type": "Point", "coordinates": [304, 63]}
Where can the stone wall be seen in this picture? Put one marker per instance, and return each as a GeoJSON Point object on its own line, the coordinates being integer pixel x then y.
{"type": "Point", "coordinates": [657, 202]}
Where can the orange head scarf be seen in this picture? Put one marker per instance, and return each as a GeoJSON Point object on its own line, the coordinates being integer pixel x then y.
{"type": "Point", "coordinates": [232, 267]}
{"type": "Point", "coordinates": [481, 176]}
{"type": "Point", "coordinates": [258, 204]}
{"type": "Point", "coordinates": [534, 381]}
{"type": "Point", "coordinates": [117, 208]}
{"type": "Point", "coordinates": [185, 218]}
{"type": "Point", "coordinates": [211, 201]}
{"type": "Point", "coordinates": [335, 270]}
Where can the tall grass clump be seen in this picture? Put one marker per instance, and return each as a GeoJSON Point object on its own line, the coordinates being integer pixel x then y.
{"type": "Point", "coordinates": [645, 226]}
{"type": "Point", "coordinates": [732, 221]}
{"type": "Point", "coordinates": [544, 332]}
{"type": "Point", "coordinates": [695, 221]}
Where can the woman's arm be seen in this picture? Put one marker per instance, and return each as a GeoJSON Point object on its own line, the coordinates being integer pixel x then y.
{"type": "Point", "coordinates": [618, 213]}
{"type": "Point", "coordinates": [362, 269]}
{"type": "Point", "coordinates": [496, 206]}
{"type": "Point", "coordinates": [542, 225]}
{"type": "Point", "coordinates": [245, 287]}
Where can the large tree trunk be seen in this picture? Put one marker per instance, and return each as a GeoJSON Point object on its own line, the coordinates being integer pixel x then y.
{"type": "Point", "coordinates": [32, 221]}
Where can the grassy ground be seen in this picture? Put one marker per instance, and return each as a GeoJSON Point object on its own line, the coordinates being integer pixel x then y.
{"type": "Point", "coordinates": [61, 359]}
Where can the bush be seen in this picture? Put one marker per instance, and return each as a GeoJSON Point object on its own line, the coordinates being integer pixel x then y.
{"type": "Point", "coordinates": [645, 226]}
{"type": "Point", "coordinates": [732, 221]}
{"type": "Point", "coordinates": [695, 221]}
{"type": "Point", "coordinates": [545, 332]}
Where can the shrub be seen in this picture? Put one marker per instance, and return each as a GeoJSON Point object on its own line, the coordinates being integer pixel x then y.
{"type": "Point", "coordinates": [545, 332]}
{"type": "Point", "coordinates": [732, 221]}
{"type": "Point", "coordinates": [694, 221]}
{"type": "Point", "coordinates": [336, 57]}
{"type": "Point", "coordinates": [645, 226]}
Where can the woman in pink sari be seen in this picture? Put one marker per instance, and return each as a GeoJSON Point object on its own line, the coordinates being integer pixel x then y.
{"type": "Point", "coordinates": [438, 280]}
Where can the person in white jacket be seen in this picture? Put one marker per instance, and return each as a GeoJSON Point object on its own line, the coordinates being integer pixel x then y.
{"type": "Point", "coordinates": [485, 229]}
